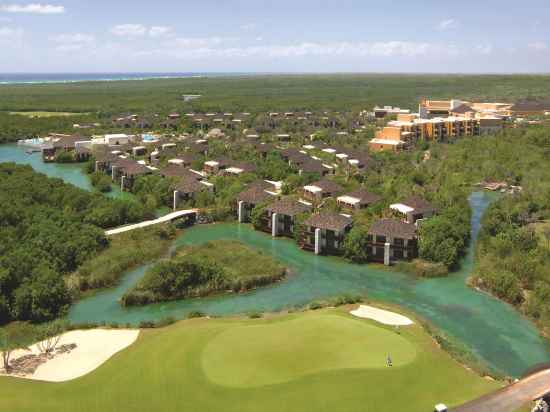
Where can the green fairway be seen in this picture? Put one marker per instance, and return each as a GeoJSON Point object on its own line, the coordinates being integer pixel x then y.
{"type": "Point", "coordinates": [176, 369]}
{"type": "Point", "coordinates": [282, 351]}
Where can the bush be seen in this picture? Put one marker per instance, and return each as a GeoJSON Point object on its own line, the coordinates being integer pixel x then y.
{"type": "Point", "coordinates": [146, 324]}
{"type": "Point", "coordinates": [64, 157]}
{"type": "Point", "coordinates": [255, 315]}
{"type": "Point", "coordinates": [346, 300]}
{"type": "Point", "coordinates": [316, 305]}
{"type": "Point", "coordinates": [195, 314]}
{"type": "Point", "coordinates": [169, 320]}
{"type": "Point", "coordinates": [424, 269]}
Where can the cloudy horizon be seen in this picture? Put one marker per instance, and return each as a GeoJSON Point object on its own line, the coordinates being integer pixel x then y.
{"type": "Point", "coordinates": [248, 36]}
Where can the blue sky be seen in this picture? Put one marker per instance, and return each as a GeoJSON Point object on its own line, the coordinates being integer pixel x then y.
{"type": "Point", "coordinates": [275, 36]}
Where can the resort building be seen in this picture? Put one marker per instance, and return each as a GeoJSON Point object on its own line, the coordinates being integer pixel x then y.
{"type": "Point", "coordinates": [315, 166]}
{"type": "Point", "coordinates": [390, 139]}
{"type": "Point", "coordinates": [248, 199]}
{"type": "Point", "coordinates": [390, 240]}
{"type": "Point", "coordinates": [67, 143]}
{"type": "Point", "coordinates": [188, 187]}
{"type": "Point", "coordinates": [530, 108]}
{"type": "Point", "coordinates": [281, 214]}
{"type": "Point", "coordinates": [126, 171]}
{"type": "Point", "coordinates": [414, 209]}
{"type": "Point", "coordinates": [322, 189]}
{"type": "Point", "coordinates": [324, 233]}
{"type": "Point", "coordinates": [358, 199]}
{"type": "Point", "coordinates": [213, 167]}
{"type": "Point", "coordinates": [237, 169]}
{"type": "Point", "coordinates": [381, 112]}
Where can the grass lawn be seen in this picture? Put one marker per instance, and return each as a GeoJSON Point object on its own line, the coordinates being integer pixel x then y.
{"type": "Point", "coordinates": [47, 114]}
{"type": "Point", "coordinates": [315, 361]}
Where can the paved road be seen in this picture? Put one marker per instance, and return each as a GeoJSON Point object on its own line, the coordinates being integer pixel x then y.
{"type": "Point", "coordinates": [166, 218]}
{"type": "Point", "coordinates": [512, 397]}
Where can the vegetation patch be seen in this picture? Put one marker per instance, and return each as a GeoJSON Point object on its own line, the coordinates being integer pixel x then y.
{"type": "Point", "coordinates": [48, 229]}
{"type": "Point", "coordinates": [215, 266]}
{"type": "Point", "coordinates": [125, 251]}
{"type": "Point", "coordinates": [423, 268]}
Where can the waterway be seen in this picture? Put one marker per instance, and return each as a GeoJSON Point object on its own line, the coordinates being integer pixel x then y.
{"type": "Point", "coordinates": [70, 172]}
{"type": "Point", "coordinates": [494, 331]}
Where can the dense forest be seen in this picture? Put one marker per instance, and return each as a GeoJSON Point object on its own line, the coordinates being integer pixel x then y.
{"type": "Point", "coordinates": [47, 230]}
{"type": "Point", "coordinates": [349, 93]}
{"type": "Point", "coordinates": [513, 256]}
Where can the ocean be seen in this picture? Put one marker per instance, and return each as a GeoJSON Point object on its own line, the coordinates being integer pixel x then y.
{"type": "Point", "coordinates": [36, 78]}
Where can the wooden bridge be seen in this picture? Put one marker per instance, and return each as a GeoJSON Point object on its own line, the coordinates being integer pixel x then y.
{"type": "Point", "coordinates": [170, 217]}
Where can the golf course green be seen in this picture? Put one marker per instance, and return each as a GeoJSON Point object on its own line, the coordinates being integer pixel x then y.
{"type": "Point", "coordinates": [290, 349]}
{"type": "Point", "coordinates": [323, 360]}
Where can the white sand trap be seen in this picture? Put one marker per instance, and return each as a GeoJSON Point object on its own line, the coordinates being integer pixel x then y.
{"type": "Point", "coordinates": [382, 316]}
{"type": "Point", "coordinates": [93, 348]}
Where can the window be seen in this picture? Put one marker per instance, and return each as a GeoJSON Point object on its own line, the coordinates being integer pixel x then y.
{"type": "Point", "coordinates": [398, 242]}
{"type": "Point", "coordinates": [380, 239]}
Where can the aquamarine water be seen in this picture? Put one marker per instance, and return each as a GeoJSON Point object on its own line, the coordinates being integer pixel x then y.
{"type": "Point", "coordinates": [494, 331]}
{"type": "Point", "coordinates": [69, 172]}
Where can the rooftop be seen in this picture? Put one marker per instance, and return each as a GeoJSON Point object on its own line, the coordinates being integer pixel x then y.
{"type": "Point", "coordinates": [393, 228]}
{"type": "Point", "coordinates": [329, 221]}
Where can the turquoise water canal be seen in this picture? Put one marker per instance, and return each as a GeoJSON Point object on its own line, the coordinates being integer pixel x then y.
{"type": "Point", "coordinates": [494, 331]}
{"type": "Point", "coordinates": [70, 173]}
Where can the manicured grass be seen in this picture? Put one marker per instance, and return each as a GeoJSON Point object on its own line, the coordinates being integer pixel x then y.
{"type": "Point", "coordinates": [171, 370]}
{"type": "Point", "coordinates": [283, 351]}
{"type": "Point", "coordinates": [46, 114]}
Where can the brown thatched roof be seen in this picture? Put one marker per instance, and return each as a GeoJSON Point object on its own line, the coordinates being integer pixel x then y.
{"type": "Point", "coordinates": [393, 228]}
{"type": "Point", "coordinates": [330, 221]}
{"type": "Point", "coordinates": [289, 207]}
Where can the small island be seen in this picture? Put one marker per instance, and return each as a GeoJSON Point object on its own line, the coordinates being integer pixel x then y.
{"type": "Point", "coordinates": [213, 267]}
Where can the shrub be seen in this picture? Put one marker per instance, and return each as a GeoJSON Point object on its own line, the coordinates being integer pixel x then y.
{"type": "Point", "coordinates": [146, 324]}
{"type": "Point", "coordinates": [169, 320]}
{"type": "Point", "coordinates": [195, 314]}
{"type": "Point", "coordinates": [316, 305]}
{"type": "Point", "coordinates": [424, 269]}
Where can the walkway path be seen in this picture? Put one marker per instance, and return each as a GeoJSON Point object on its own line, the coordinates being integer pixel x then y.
{"type": "Point", "coordinates": [166, 218]}
{"type": "Point", "coordinates": [512, 397]}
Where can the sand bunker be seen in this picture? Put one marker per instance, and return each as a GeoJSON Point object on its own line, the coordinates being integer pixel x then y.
{"type": "Point", "coordinates": [93, 348]}
{"type": "Point", "coordinates": [382, 316]}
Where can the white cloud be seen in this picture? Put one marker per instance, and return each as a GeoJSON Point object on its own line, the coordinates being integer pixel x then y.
{"type": "Point", "coordinates": [484, 48]}
{"type": "Point", "coordinates": [72, 38]}
{"type": "Point", "coordinates": [538, 46]}
{"type": "Point", "coordinates": [8, 33]}
{"type": "Point", "coordinates": [33, 8]}
{"type": "Point", "coordinates": [447, 24]}
{"type": "Point", "coordinates": [200, 42]}
{"type": "Point", "coordinates": [129, 30]}
{"type": "Point", "coordinates": [249, 26]}
{"type": "Point", "coordinates": [161, 31]}
{"type": "Point", "coordinates": [70, 42]}
{"type": "Point", "coordinates": [201, 48]}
